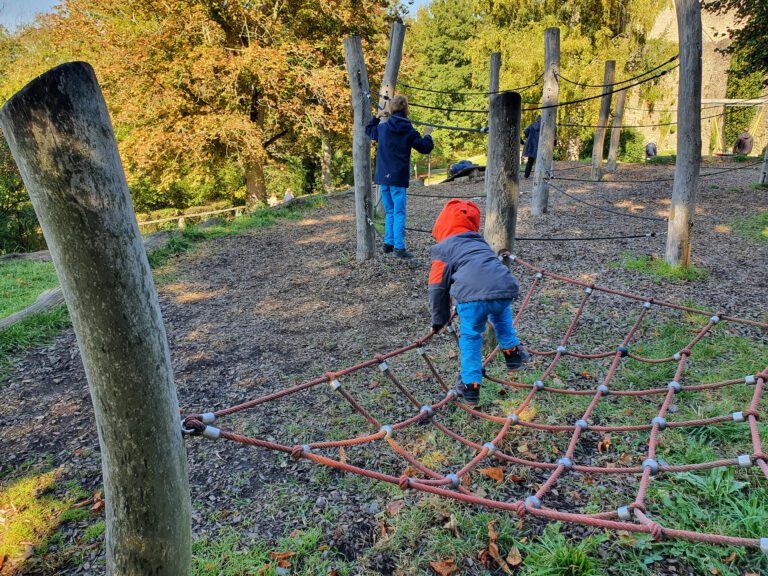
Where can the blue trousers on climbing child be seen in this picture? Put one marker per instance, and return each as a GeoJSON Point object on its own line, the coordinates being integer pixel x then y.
{"type": "Point", "coordinates": [473, 317]}
{"type": "Point", "coordinates": [394, 200]}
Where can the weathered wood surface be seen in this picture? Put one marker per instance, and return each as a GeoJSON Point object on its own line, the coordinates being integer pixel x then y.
{"type": "Point", "coordinates": [548, 134]}
{"type": "Point", "coordinates": [46, 301]}
{"type": "Point", "coordinates": [618, 116]}
{"type": "Point", "coordinates": [361, 148]}
{"type": "Point", "coordinates": [602, 121]}
{"type": "Point", "coordinates": [683, 208]}
{"type": "Point", "coordinates": [59, 132]}
{"type": "Point", "coordinates": [502, 173]}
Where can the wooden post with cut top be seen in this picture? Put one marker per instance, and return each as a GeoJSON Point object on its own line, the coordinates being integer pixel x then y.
{"type": "Point", "coordinates": [389, 80]}
{"type": "Point", "coordinates": [602, 121]}
{"type": "Point", "coordinates": [361, 148]}
{"type": "Point", "coordinates": [494, 75]}
{"type": "Point", "coordinates": [688, 161]}
{"type": "Point", "coordinates": [618, 115]}
{"type": "Point", "coordinates": [502, 174]}
{"type": "Point", "coordinates": [61, 137]}
{"type": "Point", "coordinates": [550, 96]}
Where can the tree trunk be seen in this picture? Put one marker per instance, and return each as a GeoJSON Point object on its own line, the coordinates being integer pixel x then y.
{"type": "Point", "coordinates": [618, 115]}
{"type": "Point", "coordinates": [602, 121]}
{"type": "Point", "coordinates": [688, 135]}
{"type": "Point", "coordinates": [546, 150]}
{"type": "Point", "coordinates": [326, 157]}
{"type": "Point", "coordinates": [61, 137]}
{"type": "Point", "coordinates": [255, 185]}
{"type": "Point", "coordinates": [764, 173]}
{"type": "Point", "coordinates": [361, 148]}
{"type": "Point", "coordinates": [502, 174]}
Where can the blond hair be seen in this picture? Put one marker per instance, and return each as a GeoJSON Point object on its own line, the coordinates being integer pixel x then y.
{"type": "Point", "coordinates": [398, 103]}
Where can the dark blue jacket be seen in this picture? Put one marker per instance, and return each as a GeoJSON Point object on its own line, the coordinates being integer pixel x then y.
{"type": "Point", "coordinates": [396, 137]}
{"type": "Point", "coordinates": [532, 140]}
{"type": "Point", "coordinates": [463, 264]}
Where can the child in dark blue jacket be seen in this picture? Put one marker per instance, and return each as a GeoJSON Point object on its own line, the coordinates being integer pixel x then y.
{"type": "Point", "coordinates": [465, 267]}
{"type": "Point", "coordinates": [396, 137]}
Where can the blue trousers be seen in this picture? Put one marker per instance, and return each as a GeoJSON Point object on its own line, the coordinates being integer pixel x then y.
{"type": "Point", "coordinates": [473, 317]}
{"type": "Point", "coordinates": [393, 198]}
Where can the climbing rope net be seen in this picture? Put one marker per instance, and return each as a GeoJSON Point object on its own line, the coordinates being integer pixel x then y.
{"type": "Point", "coordinates": [638, 515]}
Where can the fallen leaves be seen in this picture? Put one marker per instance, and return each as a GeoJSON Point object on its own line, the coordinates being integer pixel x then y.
{"type": "Point", "coordinates": [604, 443]}
{"type": "Point", "coordinates": [452, 526]}
{"type": "Point", "coordinates": [395, 507]}
{"type": "Point", "coordinates": [444, 567]}
{"type": "Point", "coordinates": [514, 558]}
{"type": "Point", "coordinates": [493, 550]}
{"type": "Point", "coordinates": [342, 455]}
{"type": "Point", "coordinates": [493, 473]}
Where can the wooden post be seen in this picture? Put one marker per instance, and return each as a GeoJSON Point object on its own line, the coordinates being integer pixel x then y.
{"type": "Point", "coordinates": [495, 73]}
{"type": "Point", "coordinates": [688, 134]}
{"type": "Point", "coordinates": [502, 174]}
{"type": "Point", "coordinates": [764, 173]}
{"type": "Point", "coordinates": [546, 150]}
{"type": "Point", "coordinates": [602, 121]}
{"type": "Point", "coordinates": [389, 80]}
{"type": "Point", "coordinates": [618, 115]}
{"type": "Point", "coordinates": [361, 148]}
{"type": "Point", "coordinates": [60, 135]}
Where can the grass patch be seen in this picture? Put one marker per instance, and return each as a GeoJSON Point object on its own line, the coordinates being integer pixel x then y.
{"type": "Point", "coordinates": [30, 514]}
{"type": "Point", "coordinates": [22, 282]}
{"type": "Point", "coordinates": [753, 227]}
{"type": "Point", "coordinates": [303, 552]}
{"type": "Point", "coordinates": [660, 270]}
{"type": "Point", "coordinates": [663, 160]}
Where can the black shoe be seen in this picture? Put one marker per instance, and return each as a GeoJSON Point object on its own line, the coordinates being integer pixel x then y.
{"type": "Point", "coordinates": [516, 357]}
{"type": "Point", "coordinates": [387, 248]}
{"type": "Point", "coordinates": [403, 253]}
{"type": "Point", "coordinates": [471, 393]}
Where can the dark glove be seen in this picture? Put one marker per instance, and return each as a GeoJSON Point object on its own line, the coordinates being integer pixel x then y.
{"type": "Point", "coordinates": [437, 327]}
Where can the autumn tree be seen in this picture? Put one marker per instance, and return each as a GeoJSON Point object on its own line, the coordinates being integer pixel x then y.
{"type": "Point", "coordinates": [750, 33]}
{"type": "Point", "coordinates": [195, 84]}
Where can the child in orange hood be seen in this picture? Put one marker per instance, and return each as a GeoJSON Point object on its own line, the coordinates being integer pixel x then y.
{"type": "Point", "coordinates": [465, 267]}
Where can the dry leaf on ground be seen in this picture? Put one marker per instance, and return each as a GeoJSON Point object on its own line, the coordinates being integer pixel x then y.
{"type": "Point", "coordinates": [494, 473]}
{"type": "Point", "coordinates": [444, 567]}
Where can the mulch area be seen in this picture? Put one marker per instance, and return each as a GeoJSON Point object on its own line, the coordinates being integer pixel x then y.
{"type": "Point", "coordinates": [252, 314]}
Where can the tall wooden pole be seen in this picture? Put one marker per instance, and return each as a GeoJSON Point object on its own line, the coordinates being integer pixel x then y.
{"type": "Point", "coordinates": [764, 173]}
{"type": "Point", "coordinates": [61, 137]}
{"type": "Point", "coordinates": [550, 95]}
{"type": "Point", "coordinates": [502, 174]}
{"type": "Point", "coordinates": [618, 115]}
{"type": "Point", "coordinates": [361, 148]}
{"type": "Point", "coordinates": [688, 134]}
{"type": "Point", "coordinates": [494, 74]}
{"type": "Point", "coordinates": [389, 79]}
{"type": "Point", "coordinates": [602, 121]}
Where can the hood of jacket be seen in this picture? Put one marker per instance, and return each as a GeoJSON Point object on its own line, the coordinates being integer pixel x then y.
{"type": "Point", "coordinates": [457, 216]}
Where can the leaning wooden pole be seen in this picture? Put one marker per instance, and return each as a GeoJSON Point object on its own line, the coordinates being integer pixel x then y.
{"type": "Point", "coordinates": [389, 79]}
{"type": "Point", "coordinates": [688, 134]}
{"type": "Point", "coordinates": [764, 173]}
{"type": "Point", "coordinates": [602, 121]}
{"type": "Point", "coordinates": [618, 116]}
{"type": "Point", "coordinates": [502, 174]}
{"type": "Point", "coordinates": [361, 148]}
{"type": "Point", "coordinates": [550, 95]}
{"type": "Point", "coordinates": [60, 135]}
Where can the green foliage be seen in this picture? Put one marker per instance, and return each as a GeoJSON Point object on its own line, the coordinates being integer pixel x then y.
{"type": "Point", "coordinates": [554, 555]}
{"type": "Point", "coordinates": [660, 270]}
{"type": "Point", "coordinates": [754, 227]}
{"type": "Point", "coordinates": [667, 159]}
{"type": "Point", "coordinates": [631, 146]}
{"type": "Point", "coordinates": [749, 33]}
{"type": "Point", "coordinates": [741, 84]}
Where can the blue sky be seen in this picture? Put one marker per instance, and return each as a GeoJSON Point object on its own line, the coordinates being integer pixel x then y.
{"type": "Point", "coordinates": [15, 12]}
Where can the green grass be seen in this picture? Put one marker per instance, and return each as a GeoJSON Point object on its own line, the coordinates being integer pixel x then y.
{"type": "Point", "coordinates": [32, 508]}
{"type": "Point", "coordinates": [753, 227]}
{"type": "Point", "coordinates": [658, 269]}
{"type": "Point", "coordinates": [302, 552]}
{"type": "Point", "coordinates": [22, 282]}
{"type": "Point", "coordinates": [667, 159]}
